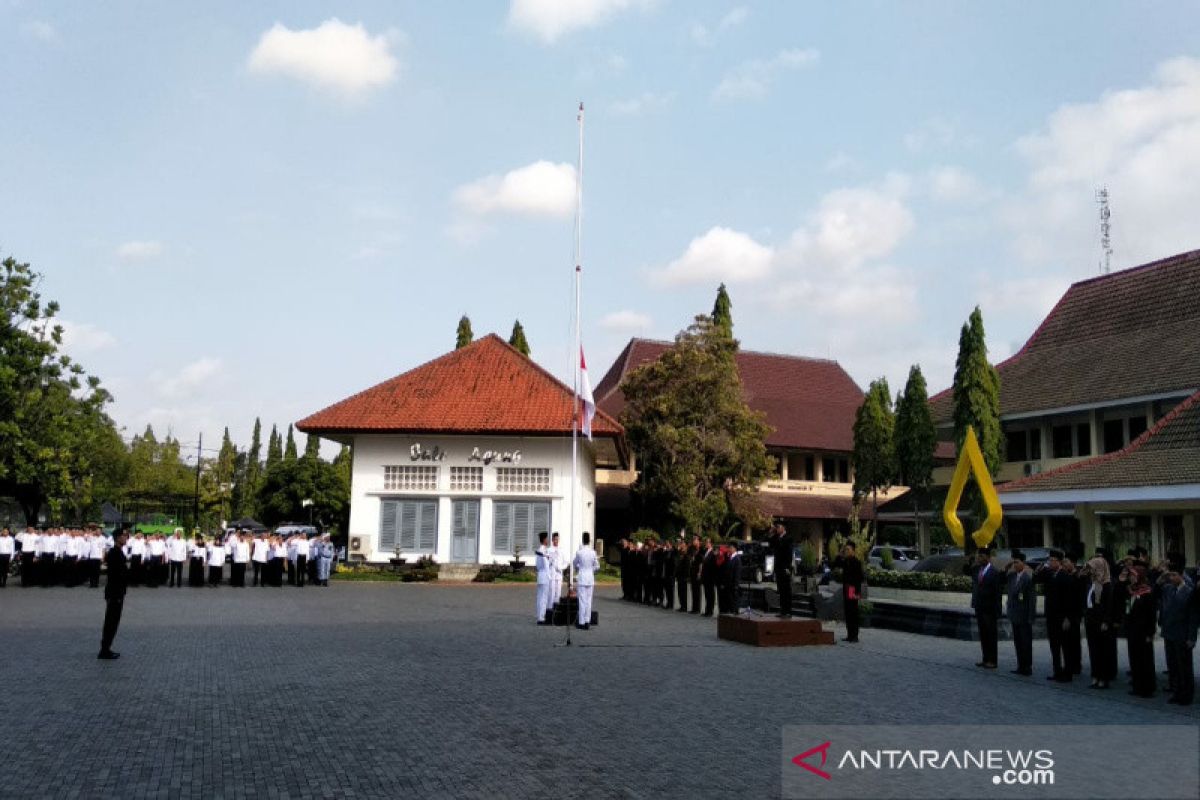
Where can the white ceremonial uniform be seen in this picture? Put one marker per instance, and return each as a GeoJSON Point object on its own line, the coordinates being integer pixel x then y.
{"type": "Point", "coordinates": [241, 552]}
{"type": "Point", "coordinates": [177, 549]}
{"type": "Point", "coordinates": [260, 551]}
{"type": "Point", "coordinates": [586, 564]}
{"type": "Point", "coordinates": [543, 581]}
{"type": "Point", "coordinates": [216, 555]}
{"type": "Point", "coordinates": [7, 545]}
{"type": "Point", "coordinates": [554, 560]}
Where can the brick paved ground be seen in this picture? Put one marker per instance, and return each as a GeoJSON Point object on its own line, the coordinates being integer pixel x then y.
{"type": "Point", "coordinates": [392, 690]}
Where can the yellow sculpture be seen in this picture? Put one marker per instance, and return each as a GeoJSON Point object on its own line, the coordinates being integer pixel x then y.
{"type": "Point", "coordinates": [971, 460]}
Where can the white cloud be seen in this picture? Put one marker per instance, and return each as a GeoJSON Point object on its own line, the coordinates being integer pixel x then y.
{"type": "Point", "coordinates": [841, 162]}
{"type": "Point", "coordinates": [539, 189]}
{"type": "Point", "coordinates": [751, 80]}
{"type": "Point", "coordinates": [953, 184]}
{"type": "Point", "coordinates": [625, 321]}
{"type": "Point", "coordinates": [702, 36]}
{"type": "Point", "coordinates": [1144, 144]}
{"type": "Point", "coordinates": [550, 19]}
{"type": "Point", "coordinates": [139, 250]}
{"type": "Point", "coordinates": [189, 378]}
{"type": "Point", "coordinates": [852, 226]}
{"type": "Point", "coordinates": [83, 337]}
{"type": "Point", "coordinates": [40, 30]}
{"type": "Point", "coordinates": [334, 56]}
{"type": "Point", "coordinates": [721, 254]}
{"type": "Point", "coordinates": [646, 102]}
{"type": "Point", "coordinates": [936, 133]}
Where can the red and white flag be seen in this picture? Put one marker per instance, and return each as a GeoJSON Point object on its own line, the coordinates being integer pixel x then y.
{"type": "Point", "coordinates": [585, 395]}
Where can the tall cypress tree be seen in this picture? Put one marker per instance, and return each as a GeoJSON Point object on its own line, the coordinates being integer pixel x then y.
{"type": "Point", "coordinates": [226, 463]}
{"type": "Point", "coordinates": [874, 450]}
{"type": "Point", "coordinates": [274, 450]}
{"type": "Point", "coordinates": [253, 470]}
{"type": "Point", "coordinates": [977, 393]}
{"type": "Point", "coordinates": [722, 313]}
{"type": "Point", "coordinates": [289, 449]}
{"type": "Point", "coordinates": [464, 336]}
{"type": "Point", "coordinates": [312, 448]}
{"type": "Point", "coordinates": [517, 339]}
{"type": "Point", "coordinates": [916, 436]}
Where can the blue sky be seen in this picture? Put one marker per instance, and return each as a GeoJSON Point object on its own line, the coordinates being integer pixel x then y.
{"type": "Point", "coordinates": [258, 209]}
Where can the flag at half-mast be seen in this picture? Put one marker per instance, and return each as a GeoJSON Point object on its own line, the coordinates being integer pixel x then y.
{"type": "Point", "coordinates": [585, 396]}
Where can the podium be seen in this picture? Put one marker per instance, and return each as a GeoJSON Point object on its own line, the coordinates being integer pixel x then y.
{"type": "Point", "coordinates": [772, 631]}
{"type": "Point", "coordinates": [566, 612]}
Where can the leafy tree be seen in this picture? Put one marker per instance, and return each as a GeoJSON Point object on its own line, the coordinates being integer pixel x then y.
{"type": "Point", "coordinates": [517, 339]}
{"type": "Point", "coordinates": [916, 436]}
{"type": "Point", "coordinates": [312, 447]}
{"type": "Point", "coordinates": [288, 484]}
{"type": "Point", "coordinates": [274, 449]}
{"type": "Point", "coordinates": [977, 393]}
{"type": "Point", "coordinates": [51, 411]}
{"type": "Point", "coordinates": [700, 449]}
{"type": "Point", "coordinates": [874, 451]}
{"type": "Point", "coordinates": [464, 336]}
{"type": "Point", "coordinates": [289, 450]}
{"type": "Point", "coordinates": [253, 472]}
{"type": "Point", "coordinates": [722, 313]}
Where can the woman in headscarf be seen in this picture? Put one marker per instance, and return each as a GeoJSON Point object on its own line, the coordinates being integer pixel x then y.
{"type": "Point", "coordinates": [1099, 619]}
{"type": "Point", "coordinates": [1139, 632]}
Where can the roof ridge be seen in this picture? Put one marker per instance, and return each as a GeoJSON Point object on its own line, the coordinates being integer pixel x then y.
{"type": "Point", "coordinates": [1105, 458]}
{"type": "Point", "coordinates": [1162, 262]}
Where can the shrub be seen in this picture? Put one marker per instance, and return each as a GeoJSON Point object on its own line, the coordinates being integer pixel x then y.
{"type": "Point", "coordinates": [516, 577]}
{"type": "Point", "coordinates": [488, 573]}
{"type": "Point", "coordinates": [643, 535]}
{"type": "Point", "coordinates": [924, 581]}
{"type": "Point", "coordinates": [419, 575]}
{"type": "Point", "coordinates": [886, 560]}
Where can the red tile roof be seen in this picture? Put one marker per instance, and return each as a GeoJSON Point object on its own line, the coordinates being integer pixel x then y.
{"type": "Point", "coordinates": [485, 387]}
{"type": "Point", "coordinates": [809, 506]}
{"type": "Point", "coordinates": [1166, 455]}
{"type": "Point", "coordinates": [809, 402]}
{"type": "Point", "coordinates": [1129, 334]}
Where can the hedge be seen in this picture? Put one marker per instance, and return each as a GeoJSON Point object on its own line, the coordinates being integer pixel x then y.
{"type": "Point", "coordinates": [924, 581]}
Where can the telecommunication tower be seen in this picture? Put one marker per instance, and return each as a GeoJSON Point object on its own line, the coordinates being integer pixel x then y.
{"type": "Point", "coordinates": [1105, 229]}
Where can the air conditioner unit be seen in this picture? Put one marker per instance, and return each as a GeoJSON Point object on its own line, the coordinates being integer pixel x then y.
{"type": "Point", "coordinates": [356, 543]}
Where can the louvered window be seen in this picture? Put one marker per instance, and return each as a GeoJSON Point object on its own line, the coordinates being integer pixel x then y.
{"type": "Point", "coordinates": [518, 524]}
{"type": "Point", "coordinates": [411, 523]}
{"type": "Point", "coordinates": [522, 479]}
{"type": "Point", "coordinates": [410, 479]}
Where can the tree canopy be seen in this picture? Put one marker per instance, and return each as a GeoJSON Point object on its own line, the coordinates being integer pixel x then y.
{"type": "Point", "coordinates": [977, 393]}
{"type": "Point", "coordinates": [722, 313]}
{"type": "Point", "coordinates": [874, 449]}
{"type": "Point", "coordinates": [700, 449]}
{"type": "Point", "coordinates": [463, 336]}
{"type": "Point", "coordinates": [517, 339]}
{"type": "Point", "coordinates": [916, 436]}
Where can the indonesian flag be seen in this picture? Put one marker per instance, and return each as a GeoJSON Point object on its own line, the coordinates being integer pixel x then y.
{"type": "Point", "coordinates": [585, 395]}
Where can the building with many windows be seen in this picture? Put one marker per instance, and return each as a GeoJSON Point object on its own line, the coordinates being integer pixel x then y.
{"type": "Point", "coordinates": [466, 458]}
{"type": "Point", "coordinates": [1101, 418]}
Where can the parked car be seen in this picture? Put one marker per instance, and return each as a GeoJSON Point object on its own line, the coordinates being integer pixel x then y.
{"type": "Point", "coordinates": [755, 558]}
{"type": "Point", "coordinates": [903, 558]}
{"type": "Point", "coordinates": [945, 563]}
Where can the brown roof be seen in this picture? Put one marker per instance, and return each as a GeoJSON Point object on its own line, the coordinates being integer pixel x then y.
{"type": "Point", "coordinates": [809, 402]}
{"type": "Point", "coordinates": [1166, 455]}
{"type": "Point", "coordinates": [1129, 334]}
{"type": "Point", "coordinates": [485, 387]}
{"type": "Point", "coordinates": [810, 506]}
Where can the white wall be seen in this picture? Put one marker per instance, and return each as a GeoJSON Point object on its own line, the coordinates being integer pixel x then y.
{"type": "Point", "coordinates": [373, 452]}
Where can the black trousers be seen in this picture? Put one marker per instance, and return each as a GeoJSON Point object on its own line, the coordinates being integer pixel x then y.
{"type": "Point", "coordinates": [696, 597]}
{"type": "Point", "coordinates": [710, 593]}
{"type": "Point", "coordinates": [1056, 638]}
{"type": "Point", "coordinates": [93, 568]}
{"type": "Point", "coordinates": [176, 573]}
{"type": "Point", "coordinates": [1072, 648]}
{"type": "Point", "coordinates": [70, 570]}
{"type": "Point", "coordinates": [725, 599]}
{"type": "Point", "coordinates": [850, 607]}
{"type": "Point", "coordinates": [1102, 651]}
{"type": "Point", "coordinates": [112, 620]}
{"type": "Point", "coordinates": [135, 571]}
{"type": "Point", "coordinates": [301, 569]}
{"type": "Point", "coordinates": [214, 575]}
{"type": "Point", "coordinates": [5, 563]}
{"type": "Point", "coordinates": [277, 571]}
{"type": "Point", "coordinates": [258, 573]}
{"type": "Point", "coordinates": [237, 574]}
{"type": "Point", "coordinates": [668, 593]}
{"type": "Point", "coordinates": [48, 568]}
{"type": "Point", "coordinates": [28, 570]}
{"type": "Point", "coordinates": [1179, 664]}
{"type": "Point", "coordinates": [1141, 664]}
{"type": "Point", "coordinates": [682, 585]}
{"type": "Point", "coordinates": [291, 572]}
{"type": "Point", "coordinates": [988, 636]}
{"type": "Point", "coordinates": [1022, 633]}
{"type": "Point", "coordinates": [783, 584]}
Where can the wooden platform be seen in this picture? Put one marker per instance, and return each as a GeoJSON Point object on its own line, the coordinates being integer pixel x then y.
{"type": "Point", "coordinates": [772, 631]}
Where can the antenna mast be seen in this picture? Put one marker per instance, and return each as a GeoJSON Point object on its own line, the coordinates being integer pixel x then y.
{"type": "Point", "coordinates": [1105, 229]}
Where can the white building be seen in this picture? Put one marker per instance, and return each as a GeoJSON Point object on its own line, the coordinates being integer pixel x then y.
{"type": "Point", "coordinates": [467, 458]}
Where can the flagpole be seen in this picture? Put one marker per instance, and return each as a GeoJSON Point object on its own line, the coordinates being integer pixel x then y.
{"type": "Point", "coordinates": [576, 354]}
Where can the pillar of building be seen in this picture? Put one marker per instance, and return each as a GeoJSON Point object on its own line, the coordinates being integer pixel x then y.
{"type": "Point", "coordinates": [1191, 533]}
{"type": "Point", "coordinates": [923, 543]}
{"type": "Point", "coordinates": [1047, 534]}
{"type": "Point", "coordinates": [1089, 527]}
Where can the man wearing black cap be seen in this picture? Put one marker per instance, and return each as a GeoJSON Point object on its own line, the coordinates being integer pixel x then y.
{"type": "Point", "coordinates": [1058, 588]}
{"type": "Point", "coordinates": [987, 585]}
{"type": "Point", "coordinates": [1022, 609]}
{"type": "Point", "coordinates": [114, 595]}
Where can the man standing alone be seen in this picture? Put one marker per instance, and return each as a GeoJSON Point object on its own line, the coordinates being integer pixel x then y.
{"type": "Point", "coordinates": [114, 595]}
{"type": "Point", "coordinates": [781, 545]}
{"type": "Point", "coordinates": [852, 580]}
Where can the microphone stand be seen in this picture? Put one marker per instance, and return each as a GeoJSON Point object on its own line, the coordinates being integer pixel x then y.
{"type": "Point", "coordinates": [570, 582]}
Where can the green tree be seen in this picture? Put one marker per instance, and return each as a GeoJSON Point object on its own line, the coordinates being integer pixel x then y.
{"type": "Point", "coordinates": [977, 393]}
{"type": "Point", "coordinates": [700, 449]}
{"type": "Point", "coordinates": [253, 472]}
{"type": "Point", "coordinates": [51, 411]}
{"type": "Point", "coordinates": [517, 339]}
{"type": "Point", "coordinates": [312, 447]}
{"type": "Point", "coordinates": [874, 450]}
{"type": "Point", "coordinates": [916, 436]}
{"type": "Point", "coordinates": [464, 336]}
{"type": "Point", "coordinates": [722, 313]}
{"type": "Point", "coordinates": [289, 449]}
{"type": "Point", "coordinates": [288, 484]}
{"type": "Point", "coordinates": [274, 450]}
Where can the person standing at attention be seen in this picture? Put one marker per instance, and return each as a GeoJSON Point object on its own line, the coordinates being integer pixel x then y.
{"type": "Point", "coordinates": [586, 564]}
{"type": "Point", "coordinates": [114, 595]}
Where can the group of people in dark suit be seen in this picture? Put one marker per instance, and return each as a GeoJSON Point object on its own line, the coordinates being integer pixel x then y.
{"type": "Point", "coordinates": [1101, 599]}
{"type": "Point", "coordinates": [656, 573]}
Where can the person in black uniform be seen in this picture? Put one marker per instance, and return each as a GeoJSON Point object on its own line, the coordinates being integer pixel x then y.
{"type": "Point", "coordinates": [683, 567]}
{"type": "Point", "coordinates": [708, 576]}
{"type": "Point", "coordinates": [1140, 625]}
{"type": "Point", "coordinates": [852, 580]}
{"type": "Point", "coordinates": [987, 587]}
{"type": "Point", "coordinates": [780, 542]}
{"type": "Point", "coordinates": [623, 547]}
{"type": "Point", "coordinates": [1072, 642]}
{"type": "Point", "coordinates": [114, 595]}
{"type": "Point", "coordinates": [696, 556]}
{"type": "Point", "coordinates": [1059, 590]}
{"type": "Point", "coordinates": [668, 574]}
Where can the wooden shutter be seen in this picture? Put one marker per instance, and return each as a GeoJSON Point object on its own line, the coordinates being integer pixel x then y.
{"type": "Point", "coordinates": [408, 525]}
{"type": "Point", "coordinates": [387, 526]}
{"type": "Point", "coordinates": [521, 526]}
{"type": "Point", "coordinates": [502, 527]}
{"type": "Point", "coordinates": [427, 531]}
{"type": "Point", "coordinates": [540, 517]}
